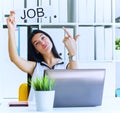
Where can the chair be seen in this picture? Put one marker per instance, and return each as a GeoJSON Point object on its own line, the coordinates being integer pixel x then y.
{"type": "Point", "coordinates": [117, 92]}
{"type": "Point", "coordinates": [23, 92]}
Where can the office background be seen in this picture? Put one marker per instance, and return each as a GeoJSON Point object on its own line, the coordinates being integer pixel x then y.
{"type": "Point", "coordinates": [97, 22]}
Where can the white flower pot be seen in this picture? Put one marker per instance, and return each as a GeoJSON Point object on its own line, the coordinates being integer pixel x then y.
{"type": "Point", "coordinates": [44, 100]}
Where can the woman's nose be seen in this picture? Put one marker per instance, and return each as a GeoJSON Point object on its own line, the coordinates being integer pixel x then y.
{"type": "Point", "coordinates": [42, 42]}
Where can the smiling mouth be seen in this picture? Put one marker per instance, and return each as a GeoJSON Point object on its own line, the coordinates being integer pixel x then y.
{"type": "Point", "coordinates": [45, 47]}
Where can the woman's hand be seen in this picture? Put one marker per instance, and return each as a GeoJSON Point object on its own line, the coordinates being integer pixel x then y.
{"type": "Point", "coordinates": [11, 20]}
{"type": "Point", "coordinates": [70, 43]}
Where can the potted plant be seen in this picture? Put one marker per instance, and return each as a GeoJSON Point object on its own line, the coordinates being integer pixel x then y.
{"type": "Point", "coordinates": [44, 93]}
{"type": "Point", "coordinates": [117, 43]}
{"type": "Point", "coordinates": [117, 48]}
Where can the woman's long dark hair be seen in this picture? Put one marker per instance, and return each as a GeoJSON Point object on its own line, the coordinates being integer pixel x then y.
{"type": "Point", "coordinates": [32, 54]}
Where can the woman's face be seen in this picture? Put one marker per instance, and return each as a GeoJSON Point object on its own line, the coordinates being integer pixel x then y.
{"type": "Point", "coordinates": [42, 43]}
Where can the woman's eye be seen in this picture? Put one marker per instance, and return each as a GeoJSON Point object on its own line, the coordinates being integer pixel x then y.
{"type": "Point", "coordinates": [36, 43]}
{"type": "Point", "coordinates": [42, 38]}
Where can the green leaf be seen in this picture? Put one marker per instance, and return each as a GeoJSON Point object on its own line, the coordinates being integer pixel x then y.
{"type": "Point", "coordinates": [117, 43]}
{"type": "Point", "coordinates": [43, 83]}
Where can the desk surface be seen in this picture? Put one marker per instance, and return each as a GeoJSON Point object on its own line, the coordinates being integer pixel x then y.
{"type": "Point", "coordinates": [108, 106]}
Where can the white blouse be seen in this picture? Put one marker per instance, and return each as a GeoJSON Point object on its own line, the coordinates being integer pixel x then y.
{"type": "Point", "coordinates": [39, 71]}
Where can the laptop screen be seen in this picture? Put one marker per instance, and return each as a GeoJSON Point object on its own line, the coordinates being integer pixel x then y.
{"type": "Point", "coordinates": [79, 87]}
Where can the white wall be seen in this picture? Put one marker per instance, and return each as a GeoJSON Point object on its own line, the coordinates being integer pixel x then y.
{"type": "Point", "coordinates": [1, 48]}
{"type": "Point", "coordinates": [117, 74]}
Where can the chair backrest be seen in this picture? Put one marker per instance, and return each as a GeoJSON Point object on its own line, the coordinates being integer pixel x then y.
{"type": "Point", "coordinates": [23, 92]}
{"type": "Point", "coordinates": [117, 92]}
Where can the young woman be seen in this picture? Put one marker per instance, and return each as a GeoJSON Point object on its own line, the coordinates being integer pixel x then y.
{"type": "Point", "coordinates": [43, 52]}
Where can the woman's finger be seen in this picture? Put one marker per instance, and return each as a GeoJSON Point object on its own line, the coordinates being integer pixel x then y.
{"type": "Point", "coordinates": [12, 13]}
{"type": "Point", "coordinates": [76, 37]}
{"type": "Point", "coordinates": [66, 32]}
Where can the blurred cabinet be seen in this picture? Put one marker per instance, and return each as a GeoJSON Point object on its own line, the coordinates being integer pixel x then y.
{"type": "Point", "coordinates": [94, 20]}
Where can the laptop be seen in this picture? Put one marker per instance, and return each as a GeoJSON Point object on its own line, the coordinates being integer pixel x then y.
{"type": "Point", "coordinates": [78, 87]}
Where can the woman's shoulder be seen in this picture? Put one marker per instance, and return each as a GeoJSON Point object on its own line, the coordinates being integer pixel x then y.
{"type": "Point", "coordinates": [38, 70]}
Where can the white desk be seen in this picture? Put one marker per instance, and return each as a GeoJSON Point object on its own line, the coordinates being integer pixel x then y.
{"type": "Point", "coordinates": [108, 106]}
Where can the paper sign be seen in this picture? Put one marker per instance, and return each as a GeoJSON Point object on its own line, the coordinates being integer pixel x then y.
{"type": "Point", "coordinates": [22, 15]}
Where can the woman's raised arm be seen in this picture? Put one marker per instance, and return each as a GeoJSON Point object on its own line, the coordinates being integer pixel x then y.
{"type": "Point", "coordinates": [70, 44]}
{"type": "Point", "coordinates": [24, 65]}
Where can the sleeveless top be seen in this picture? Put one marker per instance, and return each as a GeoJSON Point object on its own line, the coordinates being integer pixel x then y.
{"type": "Point", "coordinates": [39, 71]}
